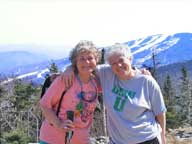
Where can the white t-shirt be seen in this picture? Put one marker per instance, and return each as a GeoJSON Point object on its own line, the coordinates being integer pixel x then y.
{"type": "Point", "coordinates": [131, 106]}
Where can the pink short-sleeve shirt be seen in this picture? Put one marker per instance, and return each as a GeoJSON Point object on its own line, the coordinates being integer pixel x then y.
{"type": "Point", "coordinates": [83, 106]}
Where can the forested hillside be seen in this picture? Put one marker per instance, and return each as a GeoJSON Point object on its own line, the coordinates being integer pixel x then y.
{"type": "Point", "coordinates": [20, 116]}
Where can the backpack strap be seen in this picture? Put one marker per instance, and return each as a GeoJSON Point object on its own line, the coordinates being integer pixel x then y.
{"type": "Point", "coordinates": [59, 105]}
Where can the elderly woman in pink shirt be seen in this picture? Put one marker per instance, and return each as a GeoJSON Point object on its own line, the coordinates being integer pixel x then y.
{"type": "Point", "coordinates": [81, 98]}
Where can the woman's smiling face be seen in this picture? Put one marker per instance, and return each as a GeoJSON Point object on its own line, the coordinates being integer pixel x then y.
{"type": "Point", "coordinates": [121, 65]}
{"type": "Point", "coordinates": [86, 63]}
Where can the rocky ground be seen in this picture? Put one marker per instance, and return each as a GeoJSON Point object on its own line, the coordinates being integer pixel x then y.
{"type": "Point", "coordinates": [181, 135]}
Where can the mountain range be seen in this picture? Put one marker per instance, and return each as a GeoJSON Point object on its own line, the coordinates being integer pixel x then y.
{"type": "Point", "coordinates": [167, 49]}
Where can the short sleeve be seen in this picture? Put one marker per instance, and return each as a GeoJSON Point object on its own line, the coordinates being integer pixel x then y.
{"type": "Point", "coordinates": [53, 93]}
{"type": "Point", "coordinates": [156, 97]}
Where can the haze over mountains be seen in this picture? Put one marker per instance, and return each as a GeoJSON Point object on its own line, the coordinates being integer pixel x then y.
{"type": "Point", "coordinates": [15, 59]}
{"type": "Point", "coordinates": [168, 49]}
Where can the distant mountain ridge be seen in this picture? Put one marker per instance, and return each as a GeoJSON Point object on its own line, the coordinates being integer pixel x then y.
{"type": "Point", "coordinates": [168, 49]}
{"type": "Point", "coordinates": [14, 59]}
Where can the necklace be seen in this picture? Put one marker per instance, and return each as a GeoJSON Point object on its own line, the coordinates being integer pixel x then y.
{"type": "Point", "coordinates": [84, 97]}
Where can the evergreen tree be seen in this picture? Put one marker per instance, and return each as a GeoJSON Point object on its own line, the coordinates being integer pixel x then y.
{"type": "Point", "coordinates": [183, 98]}
{"type": "Point", "coordinates": [102, 56]}
{"type": "Point", "coordinates": [23, 92]}
{"type": "Point", "coordinates": [15, 137]}
{"type": "Point", "coordinates": [53, 68]}
{"type": "Point", "coordinates": [169, 94]}
{"type": "Point", "coordinates": [2, 99]}
{"type": "Point", "coordinates": [20, 119]}
{"type": "Point", "coordinates": [168, 91]}
{"type": "Point", "coordinates": [2, 92]}
{"type": "Point", "coordinates": [190, 106]}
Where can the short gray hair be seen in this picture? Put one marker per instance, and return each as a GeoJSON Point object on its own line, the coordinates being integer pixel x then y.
{"type": "Point", "coordinates": [83, 46]}
{"type": "Point", "coordinates": [121, 49]}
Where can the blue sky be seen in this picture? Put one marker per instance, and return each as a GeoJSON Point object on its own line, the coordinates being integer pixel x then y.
{"type": "Point", "coordinates": [61, 24]}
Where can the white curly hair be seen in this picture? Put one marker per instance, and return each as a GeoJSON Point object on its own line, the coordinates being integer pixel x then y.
{"type": "Point", "coordinates": [117, 49]}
